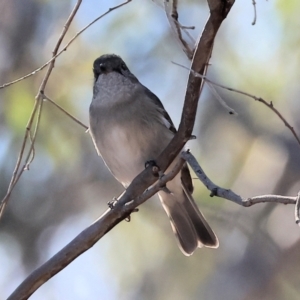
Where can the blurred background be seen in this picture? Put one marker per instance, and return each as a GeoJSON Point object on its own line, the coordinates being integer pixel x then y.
{"type": "Point", "coordinates": [68, 186]}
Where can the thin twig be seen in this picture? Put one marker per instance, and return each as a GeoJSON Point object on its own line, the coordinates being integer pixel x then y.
{"type": "Point", "coordinates": [184, 29]}
{"type": "Point", "coordinates": [215, 190]}
{"type": "Point", "coordinates": [187, 27]}
{"type": "Point", "coordinates": [66, 46]}
{"type": "Point", "coordinates": [65, 112]}
{"type": "Point", "coordinates": [228, 194]}
{"type": "Point", "coordinates": [230, 110]}
{"type": "Point", "coordinates": [172, 16]}
{"type": "Point", "coordinates": [254, 7]}
{"type": "Point", "coordinates": [28, 160]}
{"type": "Point", "coordinates": [297, 209]}
{"type": "Point", "coordinates": [32, 152]}
{"type": "Point", "coordinates": [213, 90]}
{"type": "Point", "coordinates": [175, 17]}
{"type": "Point", "coordinates": [37, 106]}
{"type": "Point", "coordinates": [269, 199]}
{"type": "Point", "coordinates": [259, 99]}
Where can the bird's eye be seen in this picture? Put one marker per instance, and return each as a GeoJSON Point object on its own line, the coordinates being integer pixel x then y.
{"type": "Point", "coordinates": [123, 67]}
{"type": "Point", "coordinates": [102, 67]}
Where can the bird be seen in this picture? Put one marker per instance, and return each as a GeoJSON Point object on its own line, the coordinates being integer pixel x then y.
{"type": "Point", "coordinates": [129, 126]}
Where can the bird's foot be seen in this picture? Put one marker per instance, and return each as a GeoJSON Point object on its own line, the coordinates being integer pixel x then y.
{"type": "Point", "coordinates": [155, 168]}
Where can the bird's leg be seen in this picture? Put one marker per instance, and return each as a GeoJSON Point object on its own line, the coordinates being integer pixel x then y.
{"type": "Point", "coordinates": [155, 167]}
{"type": "Point", "coordinates": [112, 202]}
{"type": "Point", "coordinates": [157, 173]}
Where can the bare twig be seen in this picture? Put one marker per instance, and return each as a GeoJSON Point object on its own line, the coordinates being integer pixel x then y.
{"type": "Point", "coordinates": [187, 27]}
{"type": "Point", "coordinates": [259, 99]}
{"type": "Point", "coordinates": [185, 30]}
{"type": "Point", "coordinates": [65, 112]}
{"type": "Point", "coordinates": [269, 199]}
{"type": "Point", "coordinates": [31, 152]}
{"type": "Point", "coordinates": [215, 190]}
{"type": "Point", "coordinates": [37, 107]}
{"type": "Point", "coordinates": [297, 209]}
{"type": "Point", "coordinates": [29, 158]}
{"type": "Point", "coordinates": [230, 110]}
{"type": "Point", "coordinates": [172, 16]}
{"type": "Point", "coordinates": [67, 45]}
{"type": "Point", "coordinates": [228, 194]}
{"type": "Point", "coordinates": [254, 7]}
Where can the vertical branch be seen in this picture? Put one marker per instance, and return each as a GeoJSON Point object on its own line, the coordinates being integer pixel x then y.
{"type": "Point", "coordinates": [172, 16]}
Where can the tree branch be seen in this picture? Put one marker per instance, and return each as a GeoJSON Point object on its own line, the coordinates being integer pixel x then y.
{"type": "Point", "coordinates": [297, 209]}
{"type": "Point", "coordinates": [269, 104]}
{"type": "Point", "coordinates": [172, 16]}
{"type": "Point", "coordinates": [37, 110]}
{"type": "Point", "coordinates": [87, 238]}
{"type": "Point", "coordinates": [227, 193]}
{"type": "Point", "coordinates": [137, 190]}
{"type": "Point", "coordinates": [66, 27]}
{"type": "Point", "coordinates": [17, 173]}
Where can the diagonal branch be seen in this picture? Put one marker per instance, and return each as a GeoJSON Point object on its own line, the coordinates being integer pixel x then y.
{"type": "Point", "coordinates": [228, 194]}
{"type": "Point", "coordinates": [87, 238]}
{"type": "Point", "coordinates": [65, 112]}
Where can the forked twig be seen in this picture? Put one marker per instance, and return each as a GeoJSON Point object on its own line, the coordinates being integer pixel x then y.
{"type": "Point", "coordinates": [297, 210]}
{"type": "Point", "coordinates": [259, 99]}
{"type": "Point", "coordinates": [66, 46]}
{"type": "Point", "coordinates": [172, 16]}
{"type": "Point", "coordinates": [37, 107]}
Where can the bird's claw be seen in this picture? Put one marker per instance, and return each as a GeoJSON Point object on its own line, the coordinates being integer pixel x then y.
{"type": "Point", "coordinates": [155, 168]}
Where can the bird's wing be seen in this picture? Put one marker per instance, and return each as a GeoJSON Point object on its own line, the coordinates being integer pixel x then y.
{"type": "Point", "coordinates": [161, 109]}
{"type": "Point", "coordinates": [185, 172]}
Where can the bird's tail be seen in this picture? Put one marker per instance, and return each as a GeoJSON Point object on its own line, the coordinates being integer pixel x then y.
{"type": "Point", "coordinates": [188, 223]}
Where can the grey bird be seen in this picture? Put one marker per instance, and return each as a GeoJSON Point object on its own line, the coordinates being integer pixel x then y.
{"type": "Point", "coordinates": [129, 126]}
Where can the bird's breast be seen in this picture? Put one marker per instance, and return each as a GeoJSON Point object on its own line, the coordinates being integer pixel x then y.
{"type": "Point", "coordinates": [126, 148]}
